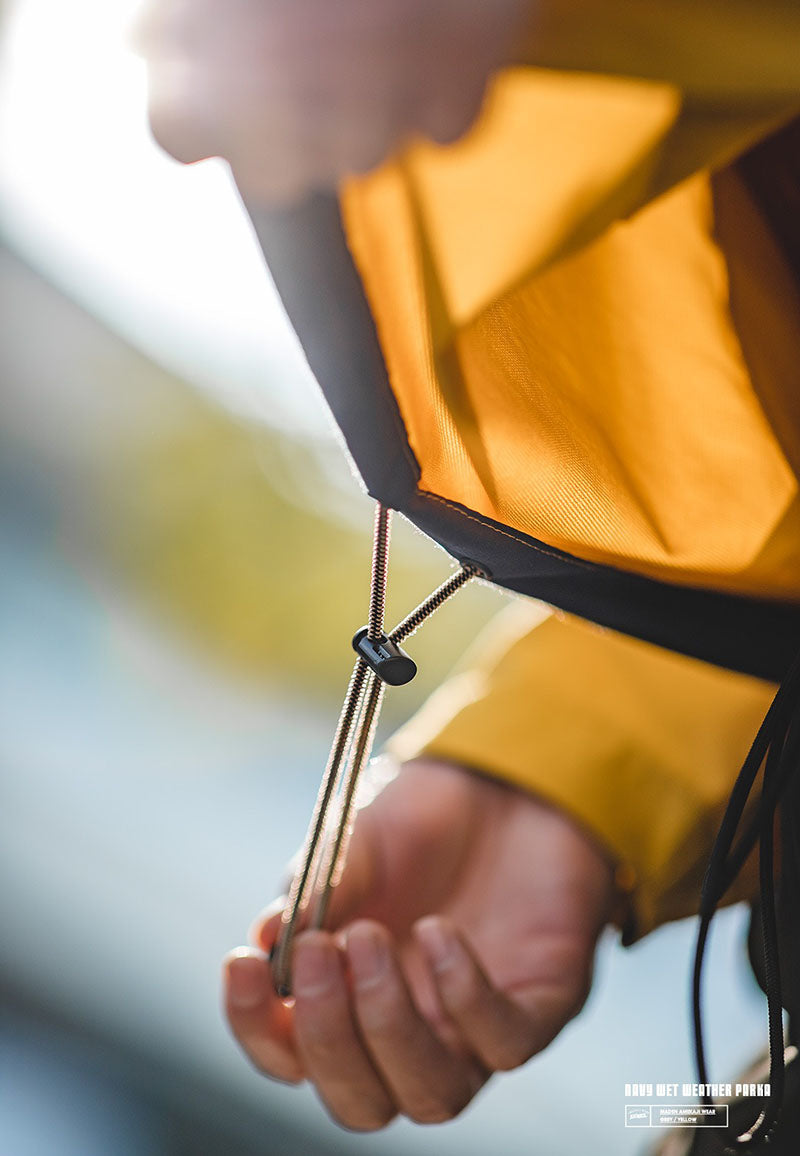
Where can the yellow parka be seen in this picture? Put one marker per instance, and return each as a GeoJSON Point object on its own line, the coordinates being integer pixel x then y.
{"type": "Point", "coordinates": [590, 319]}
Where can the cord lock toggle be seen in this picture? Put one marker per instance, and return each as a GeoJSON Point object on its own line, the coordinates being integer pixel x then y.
{"type": "Point", "coordinates": [390, 663]}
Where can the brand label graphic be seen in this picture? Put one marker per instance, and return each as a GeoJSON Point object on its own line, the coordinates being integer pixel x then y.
{"type": "Point", "coordinates": [676, 1116]}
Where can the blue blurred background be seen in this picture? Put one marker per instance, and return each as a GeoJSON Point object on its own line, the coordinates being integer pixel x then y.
{"type": "Point", "coordinates": [184, 557]}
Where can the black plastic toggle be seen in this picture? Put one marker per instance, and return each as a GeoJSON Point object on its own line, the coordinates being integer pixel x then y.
{"type": "Point", "coordinates": [385, 657]}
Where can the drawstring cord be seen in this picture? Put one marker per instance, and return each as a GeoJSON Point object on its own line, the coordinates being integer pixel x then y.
{"type": "Point", "coordinates": [380, 661]}
{"type": "Point", "coordinates": [777, 748]}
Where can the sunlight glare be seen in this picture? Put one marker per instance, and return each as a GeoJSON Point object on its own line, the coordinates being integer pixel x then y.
{"type": "Point", "coordinates": [162, 253]}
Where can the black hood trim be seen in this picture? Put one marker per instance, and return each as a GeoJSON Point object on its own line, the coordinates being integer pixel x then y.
{"type": "Point", "coordinates": [308, 257]}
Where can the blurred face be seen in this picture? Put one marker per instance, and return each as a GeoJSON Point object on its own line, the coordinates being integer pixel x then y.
{"type": "Point", "coordinates": [296, 94]}
{"type": "Point", "coordinates": [196, 53]}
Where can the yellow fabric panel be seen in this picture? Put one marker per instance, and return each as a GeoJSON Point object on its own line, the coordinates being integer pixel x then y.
{"type": "Point", "coordinates": [640, 745]}
{"type": "Point", "coordinates": [593, 337]}
{"type": "Point", "coordinates": [764, 300]}
{"type": "Point", "coordinates": [553, 158]}
{"type": "Point", "coordinates": [598, 399]}
{"type": "Point", "coordinates": [725, 53]}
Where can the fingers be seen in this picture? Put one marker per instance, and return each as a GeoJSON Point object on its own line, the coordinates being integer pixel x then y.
{"type": "Point", "coordinates": [428, 1081]}
{"type": "Point", "coordinates": [356, 1031]}
{"type": "Point", "coordinates": [361, 1040]}
{"type": "Point", "coordinates": [331, 1051]}
{"type": "Point", "coordinates": [260, 1021]}
{"type": "Point", "coordinates": [503, 1030]}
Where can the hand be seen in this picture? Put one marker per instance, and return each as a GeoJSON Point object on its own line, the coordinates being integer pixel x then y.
{"type": "Point", "coordinates": [295, 95]}
{"type": "Point", "coordinates": [463, 937]}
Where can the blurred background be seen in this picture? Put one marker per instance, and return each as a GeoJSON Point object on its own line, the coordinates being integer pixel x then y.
{"type": "Point", "coordinates": [184, 557]}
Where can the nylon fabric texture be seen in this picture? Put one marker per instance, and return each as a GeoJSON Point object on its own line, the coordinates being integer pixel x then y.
{"type": "Point", "coordinates": [600, 399]}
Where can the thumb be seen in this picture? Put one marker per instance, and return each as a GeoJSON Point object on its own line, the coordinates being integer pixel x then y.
{"type": "Point", "coordinates": [264, 928]}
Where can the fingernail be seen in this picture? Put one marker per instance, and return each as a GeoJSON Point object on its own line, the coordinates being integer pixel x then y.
{"type": "Point", "coordinates": [248, 981]}
{"type": "Point", "coordinates": [439, 943]}
{"type": "Point", "coordinates": [368, 955]}
{"type": "Point", "coordinates": [313, 967]}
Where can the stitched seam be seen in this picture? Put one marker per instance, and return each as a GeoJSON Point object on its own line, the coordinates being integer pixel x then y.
{"type": "Point", "coordinates": [600, 568]}
{"type": "Point", "coordinates": [523, 541]}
